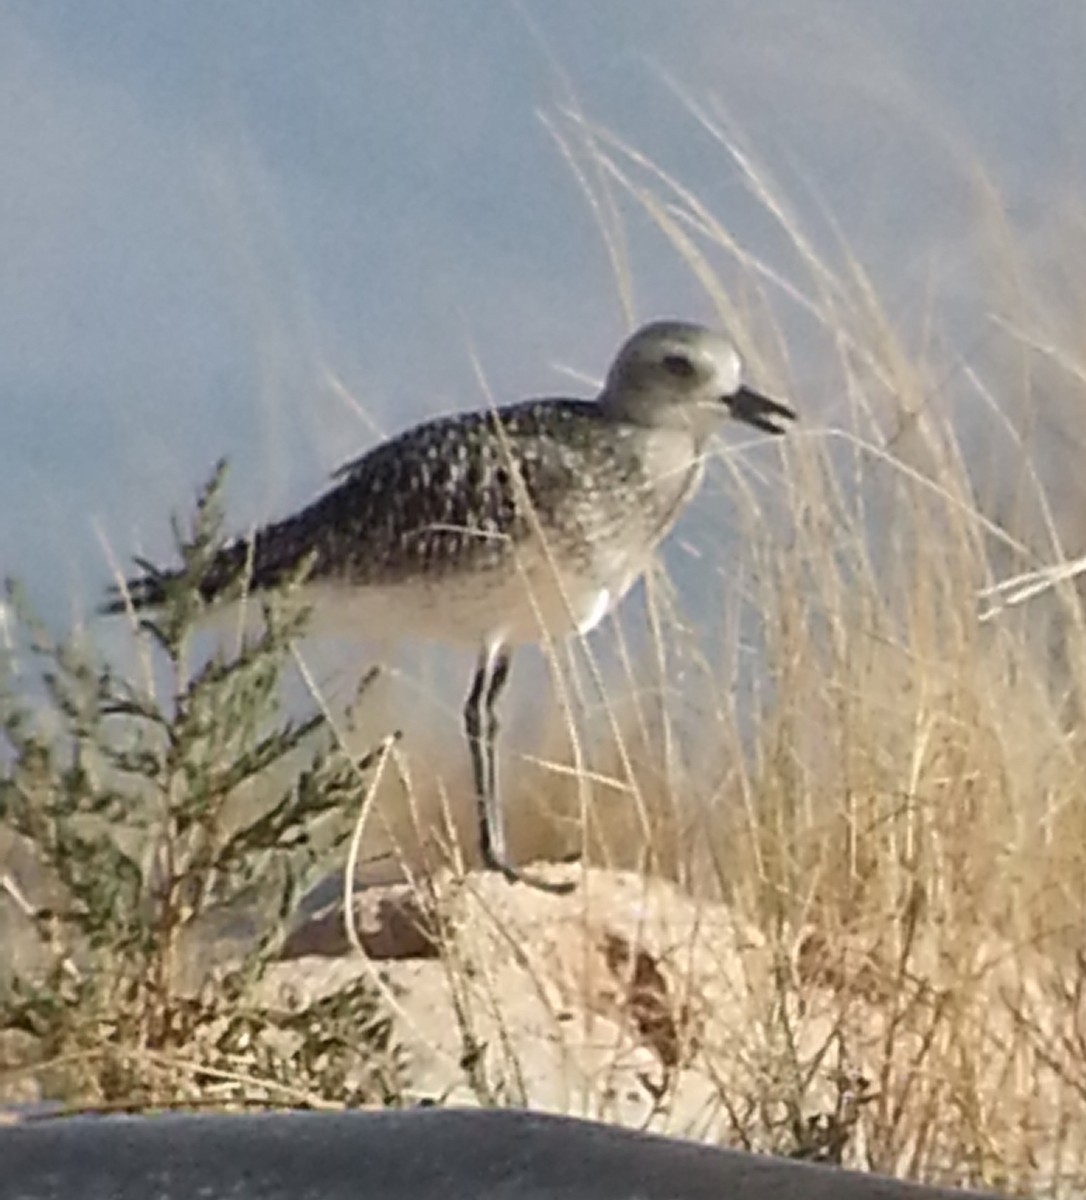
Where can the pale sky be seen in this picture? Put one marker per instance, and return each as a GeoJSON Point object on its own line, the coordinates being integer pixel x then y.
{"type": "Point", "coordinates": [213, 214]}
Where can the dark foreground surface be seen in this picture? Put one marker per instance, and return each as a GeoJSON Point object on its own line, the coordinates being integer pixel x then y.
{"type": "Point", "coordinates": [425, 1154]}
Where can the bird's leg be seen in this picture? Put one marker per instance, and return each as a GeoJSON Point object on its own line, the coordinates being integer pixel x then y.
{"type": "Point", "coordinates": [481, 726]}
{"type": "Point", "coordinates": [480, 743]}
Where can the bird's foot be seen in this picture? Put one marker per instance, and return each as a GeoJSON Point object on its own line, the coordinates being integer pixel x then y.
{"type": "Point", "coordinates": [515, 875]}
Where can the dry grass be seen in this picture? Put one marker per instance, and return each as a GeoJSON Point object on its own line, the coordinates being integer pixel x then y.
{"type": "Point", "coordinates": [886, 773]}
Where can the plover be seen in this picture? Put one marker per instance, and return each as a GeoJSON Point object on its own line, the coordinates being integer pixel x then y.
{"type": "Point", "coordinates": [503, 526]}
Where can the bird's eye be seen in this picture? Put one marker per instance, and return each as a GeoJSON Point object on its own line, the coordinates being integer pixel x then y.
{"type": "Point", "coordinates": [679, 366]}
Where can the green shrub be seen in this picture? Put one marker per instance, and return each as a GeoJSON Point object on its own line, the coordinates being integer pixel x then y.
{"type": "Point", "coordinates": [153, 813]}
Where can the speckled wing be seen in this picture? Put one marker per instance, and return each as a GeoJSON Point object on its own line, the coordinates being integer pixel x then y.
{"type": "Point", "coordinates": [446, 497]}
{"type": "Point", "coordinates": [439, 499]}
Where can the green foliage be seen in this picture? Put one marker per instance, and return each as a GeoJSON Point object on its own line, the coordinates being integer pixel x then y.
{"type": "Point", "coordinates": [154, 808]}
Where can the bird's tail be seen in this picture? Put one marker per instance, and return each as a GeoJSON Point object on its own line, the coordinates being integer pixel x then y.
{"type": "Point", "coordinates": [149, 589]}
{"type": "Point", "coordinates": [139, 592]}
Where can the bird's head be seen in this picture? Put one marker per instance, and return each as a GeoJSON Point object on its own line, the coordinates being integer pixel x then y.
{"type": "Point", "coordinates": [672, 374]}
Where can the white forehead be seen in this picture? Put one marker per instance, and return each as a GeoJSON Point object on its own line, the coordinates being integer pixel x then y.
{"type": "Point", "coordinates": [709, 350]}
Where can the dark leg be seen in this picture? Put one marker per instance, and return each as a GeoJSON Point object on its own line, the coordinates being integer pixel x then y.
{"type": "Point", "coordinates": [480, 745]}
{"type": "Point", "coordinates": [481, 727]}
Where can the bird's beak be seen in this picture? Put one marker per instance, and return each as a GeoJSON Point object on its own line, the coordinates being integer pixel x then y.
{"type": "Point", "coordinates": [755, 409]}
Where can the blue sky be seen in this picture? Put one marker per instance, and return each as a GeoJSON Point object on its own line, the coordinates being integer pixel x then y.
{"type": "Point", "coordinates": [215, 213]}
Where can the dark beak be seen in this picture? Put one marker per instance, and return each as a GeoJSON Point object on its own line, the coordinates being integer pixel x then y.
{"type": "Point", "coordinates": [755, 409]}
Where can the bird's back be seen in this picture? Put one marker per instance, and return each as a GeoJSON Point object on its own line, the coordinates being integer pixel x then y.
{"type": "Point", "coordinates": [495, 499]}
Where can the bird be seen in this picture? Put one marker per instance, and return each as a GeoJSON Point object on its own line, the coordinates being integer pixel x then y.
{"type": "Point", "coordinates": [503, 526]}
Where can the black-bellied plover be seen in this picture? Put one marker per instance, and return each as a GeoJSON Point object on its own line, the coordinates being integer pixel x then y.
{"type": "Point", "coordinates": [504, 526]}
